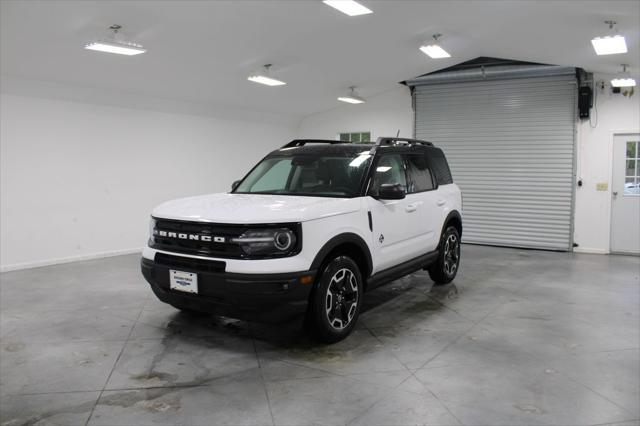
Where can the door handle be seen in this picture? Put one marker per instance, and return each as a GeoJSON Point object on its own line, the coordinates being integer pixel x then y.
{"type": "Point", "coordinates": [411, 208]}
{"type": "Point", "coordinates": [441, 203]}
{"type": "Point", "coordinates": [615, 193]}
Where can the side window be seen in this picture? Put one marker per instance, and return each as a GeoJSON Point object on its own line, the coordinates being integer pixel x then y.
{"type": "Point", "coordinates": [390, 169]}
{"type": "Point", "coordinates": [275, 178]}
{"type": "Point", "coordinates": [419, 177]}
{"type": "Point", "coordinates": [440, 167]}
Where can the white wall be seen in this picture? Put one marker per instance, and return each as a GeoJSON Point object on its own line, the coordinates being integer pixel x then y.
{"type": "Point", "coordinates": [615, 113]}
{"type": "Point", "coordinates": [80, 179]}
{"type": "Point", "coordinates": [382, 115]}
{"type": "Point", "coordinates": [385, 113]}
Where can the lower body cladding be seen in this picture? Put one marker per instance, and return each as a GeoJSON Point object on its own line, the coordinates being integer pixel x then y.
{"type": "Point", "coordinates": [268, 298]}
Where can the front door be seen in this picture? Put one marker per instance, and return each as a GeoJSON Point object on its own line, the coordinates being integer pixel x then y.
{"type": "Point", "coordinates": [625, 204]}
{"type": "Point", "coordinates": [393, 221]}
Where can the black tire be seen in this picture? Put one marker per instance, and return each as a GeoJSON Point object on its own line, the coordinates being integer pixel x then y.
{"type": "Point", "coordinates": [340, 287]}
{"type": "Point", "coordinates": [445, 269]}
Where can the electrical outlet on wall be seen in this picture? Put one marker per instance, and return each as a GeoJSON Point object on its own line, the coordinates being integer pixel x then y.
{"type": "Point", "coordinates": [602, 186]}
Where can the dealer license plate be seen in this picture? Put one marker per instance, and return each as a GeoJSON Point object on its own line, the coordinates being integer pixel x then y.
{"type": "Point", "coordinates": [183, 281]}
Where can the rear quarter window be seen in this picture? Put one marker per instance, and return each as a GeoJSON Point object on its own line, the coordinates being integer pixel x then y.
{"type": "Point", "coordinates": [419, 177]}
{"type": "Point", "coordinates": [439, 166]}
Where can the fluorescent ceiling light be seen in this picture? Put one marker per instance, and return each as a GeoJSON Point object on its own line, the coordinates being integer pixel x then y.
{"type": "Point", "coordinates": [350, 100]}
{"type": "Point", "coordinates": [352, 97]}
{"type": "Point", "coordinates": [348, 7]}
{"type": "Point", "coordinates": [383, 169]}
{"type": "Point", "coordinates": [609, 45]}
{"type": "Point", "coordinates": [265, 80]}
{"type": "Point", "coordinates": [433, 50]}
{"type": "Point", "coordinates": [264, 77]}
{"type": "Point", "coordinates": [623, 82]}
{"type": "Point", "coordinates": [119, 48]}
{"type": "Point", "coordinates": [623, 79]}
{"type": "Point", "coordinates": [115, 45]}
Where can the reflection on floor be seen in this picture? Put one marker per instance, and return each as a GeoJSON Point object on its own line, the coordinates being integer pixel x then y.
{"type": "Point", "coordinates": [523, 337]}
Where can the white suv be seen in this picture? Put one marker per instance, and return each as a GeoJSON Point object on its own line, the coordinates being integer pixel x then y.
{"type": "Point", "coordinates": [309, 230]}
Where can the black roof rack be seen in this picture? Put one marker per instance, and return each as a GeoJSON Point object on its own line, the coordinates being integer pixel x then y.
{"type": "Point", "coordinates": [382, 141]}
{"type": "Point", "coordinates": [302, 142]}
{"type": "Point", "coordinates": [392, 141]}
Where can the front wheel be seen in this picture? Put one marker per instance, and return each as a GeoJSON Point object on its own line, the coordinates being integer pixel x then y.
{"type": "Point", "coordinates": [336, 300]}
{"type": "Point", "coordinates": [444, 270]}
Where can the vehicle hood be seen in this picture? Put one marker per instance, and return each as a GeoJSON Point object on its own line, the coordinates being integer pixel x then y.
{"type": "Point", "coordinates": [254, 208]}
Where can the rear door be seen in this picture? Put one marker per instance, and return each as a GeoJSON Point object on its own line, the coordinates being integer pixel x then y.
{"type": "Point", "coordinates": [424, 202]}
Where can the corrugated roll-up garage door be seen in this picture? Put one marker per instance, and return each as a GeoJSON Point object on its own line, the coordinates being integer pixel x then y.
{"type": "Point", "coordinates": [510, 145]}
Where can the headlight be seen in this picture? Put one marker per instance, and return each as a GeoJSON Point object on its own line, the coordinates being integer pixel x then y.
{"type": "Point", "coordinates": [256, 242]}
{"type": "Point", "coordinates": [152, 227]}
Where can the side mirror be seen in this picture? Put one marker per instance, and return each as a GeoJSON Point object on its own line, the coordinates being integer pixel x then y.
{"type": "Point", "coordinates": [235, 184]}
{"type": "Point", "coordinates": [391, 191]}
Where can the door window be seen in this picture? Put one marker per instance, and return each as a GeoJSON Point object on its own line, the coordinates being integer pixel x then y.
{"type": "Point", "coordinates": [390, 169]}
{"type": "Point", "coordinates": [632, 172]}
{"type": "Point", "coordinates": [419, 177]}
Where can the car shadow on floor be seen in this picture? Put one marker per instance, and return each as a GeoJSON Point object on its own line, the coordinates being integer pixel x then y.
{"type": "Point", "coordinates": [404, 299]}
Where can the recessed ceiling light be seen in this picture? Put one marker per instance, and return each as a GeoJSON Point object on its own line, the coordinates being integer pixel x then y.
{"type": "Point", "coordinates": [434, 50]}
{"type": "Point", "coordinates": [348, 7]}
{"type": "Point", "coordinates": [610, 44]}
{"type": "Point", "coordinates": [352, 97]}
{"type": "Point", "coordinates": [623, 79]}
{"type": "Point", "coordinates": [115, 45]}
{"type": "Point", "coordinates": [264, 77]}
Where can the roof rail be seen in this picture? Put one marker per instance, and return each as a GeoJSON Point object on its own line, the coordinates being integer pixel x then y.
{"type": "Point", "coordinates": [302, 142]}
{"type": "Point", "coordinates": [392, 141]}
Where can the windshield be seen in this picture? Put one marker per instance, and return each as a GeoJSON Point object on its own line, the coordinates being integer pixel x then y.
{"type": "Point", "coordinates": [331, 175]}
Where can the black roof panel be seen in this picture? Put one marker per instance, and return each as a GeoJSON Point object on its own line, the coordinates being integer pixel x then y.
{"type": "Point", "coordinates": [324, 149]}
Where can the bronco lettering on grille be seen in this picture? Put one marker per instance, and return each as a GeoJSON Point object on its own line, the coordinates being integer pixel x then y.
{"type": "Point", "coordinates": [185, 236]}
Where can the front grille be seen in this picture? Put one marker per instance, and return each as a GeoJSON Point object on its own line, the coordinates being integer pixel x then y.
{"type": "Point", "coordinates": [225, 249]}
{"type": "Point", "coordinates": [189, 263]}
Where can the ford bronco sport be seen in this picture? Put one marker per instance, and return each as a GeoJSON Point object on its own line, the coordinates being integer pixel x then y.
{"type": "Point", "coordinates": [309, 230]}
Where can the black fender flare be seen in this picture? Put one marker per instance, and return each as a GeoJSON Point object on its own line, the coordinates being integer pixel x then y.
{"type": "Point", "coordinates": [347, 237]}
{"type": "Point", "coordinates": [454, 214]}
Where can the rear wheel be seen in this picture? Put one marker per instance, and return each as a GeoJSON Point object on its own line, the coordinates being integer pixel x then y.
{"type": "Point", "coordinates": [336, 300]}
{"type": "Point", "coordinates": [444, 270]}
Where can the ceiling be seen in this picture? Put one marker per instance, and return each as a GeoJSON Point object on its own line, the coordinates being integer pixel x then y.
{"type": "Point", "coordinates": [200, 52]}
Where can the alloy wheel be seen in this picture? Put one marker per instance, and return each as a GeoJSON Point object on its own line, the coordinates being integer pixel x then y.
{"type": "Point", "coordinates": [341, 300]}
{"type": "Point", "coordinates": [451, 254]}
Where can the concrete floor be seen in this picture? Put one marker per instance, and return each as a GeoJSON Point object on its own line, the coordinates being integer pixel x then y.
{"type": "Point", "coordinates": [523, 337]}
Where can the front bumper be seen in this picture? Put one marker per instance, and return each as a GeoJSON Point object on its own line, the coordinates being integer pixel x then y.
{"type": "Point", "coordinates": [255, 297]}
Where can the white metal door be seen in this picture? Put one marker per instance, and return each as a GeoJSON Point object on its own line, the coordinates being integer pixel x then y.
{"type": "Point", "coordinates": [510, 146]}
{"type": "Point", "coordinates": [625, 203]}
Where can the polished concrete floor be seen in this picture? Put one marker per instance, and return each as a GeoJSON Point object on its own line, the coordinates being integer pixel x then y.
{"type": "Point", "coordinates": [523, 337]}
